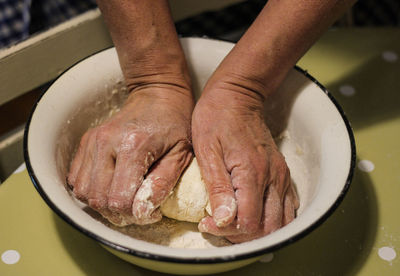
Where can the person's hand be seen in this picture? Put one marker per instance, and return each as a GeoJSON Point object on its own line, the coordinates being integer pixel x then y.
{"type": "Point", "coordinates": [247, 179]}
{"type": "Point", "coordinates": [127, 166]}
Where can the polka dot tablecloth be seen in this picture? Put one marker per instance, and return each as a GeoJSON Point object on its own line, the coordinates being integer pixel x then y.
{"type": "Point", "coordinates": [361, 68]}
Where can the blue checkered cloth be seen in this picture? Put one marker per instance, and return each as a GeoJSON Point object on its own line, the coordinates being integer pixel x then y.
{"type": "Point", "coordinates": [19, 18]}
{"type": "Point", "coordinates": [14, 21]}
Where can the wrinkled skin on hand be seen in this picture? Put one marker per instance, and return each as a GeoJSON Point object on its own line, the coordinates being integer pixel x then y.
{"type": "Point", "coordinates": [247, 178]}
{"type": "Point", "coordinates": [127, 166]}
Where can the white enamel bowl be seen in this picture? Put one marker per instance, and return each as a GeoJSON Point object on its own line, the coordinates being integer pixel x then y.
{"type": "Point", "coordinates": [313, 119]}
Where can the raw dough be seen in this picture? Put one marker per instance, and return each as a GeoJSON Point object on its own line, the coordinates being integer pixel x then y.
{"type": "Point", "coordinates": [189, 199]}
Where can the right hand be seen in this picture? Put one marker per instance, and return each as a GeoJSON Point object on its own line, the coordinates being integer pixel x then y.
{"type": "Point", "coordinates": [127, 166]}
{"type": "Point", "coordinates": [246, 176]}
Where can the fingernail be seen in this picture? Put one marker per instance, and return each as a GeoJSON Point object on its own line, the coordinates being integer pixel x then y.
{"type": "Point", "coordinates": [222, 215]}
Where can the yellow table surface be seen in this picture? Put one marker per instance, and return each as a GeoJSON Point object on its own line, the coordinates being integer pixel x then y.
{"type": "Point", "coordinates": [361, 67]}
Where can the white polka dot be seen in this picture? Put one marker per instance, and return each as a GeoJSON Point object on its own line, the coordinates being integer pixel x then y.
{"type": "Point", "coordinates": [366, 166]}
{"type": "Point", "coordinates": [267, 258]}
{"type": "Point", "coordinates": [347, 90]}
{"type": "Point", "coordinates": [10, 257]}
{"type": "Point", "coordinates": [387, 253]}
{"type": "Point", "coordinates": [389, 56]}
{"type": "Point", "coordinates": [20, 168]}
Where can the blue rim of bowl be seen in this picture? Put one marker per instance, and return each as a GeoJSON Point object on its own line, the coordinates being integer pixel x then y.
{"type": "Point", "coordinates": [194, 260]}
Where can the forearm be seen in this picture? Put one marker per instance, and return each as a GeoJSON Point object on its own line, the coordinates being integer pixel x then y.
{"type": "Point", "coordinates": [279, 37]}
{"type": "Point", "coordinates": [146, 41]}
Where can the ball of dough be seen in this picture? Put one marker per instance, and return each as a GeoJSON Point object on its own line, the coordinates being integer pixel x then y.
{"type": "Point", "coordinates": [189, 199]}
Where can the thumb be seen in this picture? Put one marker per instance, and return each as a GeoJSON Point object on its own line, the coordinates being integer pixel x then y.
{"type": "Point", "coordinates": [219, 185]}
{"type": "Point", "coordinates": [159, 183]}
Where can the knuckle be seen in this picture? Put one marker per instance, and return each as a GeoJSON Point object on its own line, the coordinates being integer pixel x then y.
{"type": "Point", "coordinates": [103, 135]}
{"type": "Point", "coordinates": [134, 140]}
{"type": "Point", "coordinates": [219, 188]}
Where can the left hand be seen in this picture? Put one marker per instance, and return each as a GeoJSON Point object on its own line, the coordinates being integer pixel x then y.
{"type": "Point", "coordinates": [247, 178]}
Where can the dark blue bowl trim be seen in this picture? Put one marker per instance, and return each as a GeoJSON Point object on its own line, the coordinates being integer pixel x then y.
{"type": "Point", "coordinates": [210, 260]}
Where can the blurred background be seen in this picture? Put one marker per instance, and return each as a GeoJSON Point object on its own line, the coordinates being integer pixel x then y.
{"type": "Point", "coordinates": [19, 19]}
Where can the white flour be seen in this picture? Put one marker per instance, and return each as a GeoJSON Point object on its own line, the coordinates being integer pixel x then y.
{"type": "Point", "coordinates": [172, 233]}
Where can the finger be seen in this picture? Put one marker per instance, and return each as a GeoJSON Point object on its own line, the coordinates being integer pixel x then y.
{"type": "Point", "coordinates": [83, 180]}
{"type": "Point", "coordinates": [273, 211]}
{"type": "Point", "coordinates": [273, 215]}
{"type": "Point", "coordinates": [132, 163]}
{"type": "Point", "coordinates": [208, 225]}
{"type": "Point", "coordinates": [281, 175]}
{"type": "Point", "coordinates": [102, 174]}
{"type": "Point", "coordinates": [230, 232]}
{"type": "Point", "coordinates": [296, 200]}
{"type": "Point", "coordinates": [245, 237]}
{"type": "Point", "coordinates": [272, 221]}
{"type": "Point", "coordinates": [159, 183]}
{"type": "Point", "coordinates": [116, 218]}
{"type": "Point", "coordinates": [77, 161]}
{"type": "Point", "coordinates": [288, 210]}
{"type": "Point", "coordinates": [249, 196]}
{"type": "Point", "coordinates": [290, 205]}
{"type": "Point", "coordinates": [218, 183]}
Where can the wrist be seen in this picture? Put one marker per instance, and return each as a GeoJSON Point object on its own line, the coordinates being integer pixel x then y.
{"type": "Point", "coordinates": [227, 93]}
{"type": "Point", "coordinates": [147, 44]}
{"type": "Point", "coordinates": [255, 71]}
{"type": "Point", "coordinates": [152, 63]}
{"type": "Point", "coordinates": [157, 73]}
{"type": "Point", "coordinates": [163, 96]}
{"type": "Point", "coordinates": [237, 85]}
